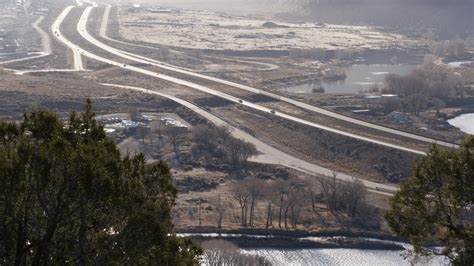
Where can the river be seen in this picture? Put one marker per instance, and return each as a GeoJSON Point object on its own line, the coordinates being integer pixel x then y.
{"type": "Point", "coordinates": [340, 256]}
{"type": "Point", "coordinates": [464, 122]}
{"type": "Point", "coordinates": [358, 78]}
{"type": "Point", "coordinates": [327, 256]}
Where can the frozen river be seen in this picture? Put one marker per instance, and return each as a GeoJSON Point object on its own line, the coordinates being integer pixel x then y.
{"type": "Point", "coordinates": [464, 122]}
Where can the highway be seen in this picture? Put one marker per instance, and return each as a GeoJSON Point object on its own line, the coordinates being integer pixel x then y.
{"type": "Point", "coordinates": [269, 154]}
{"type": "Point", "coordinates": [45, 43]}
{"type": "Point", "coordinates": [76, 50]}
{"type": "Point", "coordinates": [258, 91]}
{"type": "Point", "coordinates": [82, 29]}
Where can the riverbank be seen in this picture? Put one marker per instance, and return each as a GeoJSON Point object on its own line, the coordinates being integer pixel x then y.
{"type": "Point", "coordinates": [319, 248]}
{"type": "Point", "coordinates": [277, 239]}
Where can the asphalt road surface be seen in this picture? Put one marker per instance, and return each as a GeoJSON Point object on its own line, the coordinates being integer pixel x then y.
{"type": "Point", "coordinates": [269, 94]}
{"type": "Point", "coordinates": [81, 28]}
{"type": "Point", "coordinates": [268, 154]}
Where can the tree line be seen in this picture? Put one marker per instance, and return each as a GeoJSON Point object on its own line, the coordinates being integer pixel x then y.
{"type": "Point", "coordinates": [215, 144]}
{"type": "Point", "coordinates": [280, 203]}
{"type": "Point", "coordinates": [427, 86]}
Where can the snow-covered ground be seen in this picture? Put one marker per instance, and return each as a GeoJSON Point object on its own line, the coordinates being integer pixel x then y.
{"type": "Point", "coordinates": [201, 29]}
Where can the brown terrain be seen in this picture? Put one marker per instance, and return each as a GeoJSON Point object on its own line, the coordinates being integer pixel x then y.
{"type": "Point", "coordinates": [199, 182]}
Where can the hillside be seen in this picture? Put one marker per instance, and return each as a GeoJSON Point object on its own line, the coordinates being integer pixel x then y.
{"type": "Point", "coordinates": [445, 18]}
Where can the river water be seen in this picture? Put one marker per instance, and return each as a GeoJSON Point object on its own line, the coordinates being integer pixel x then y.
{"type": "Point", "coordinates": [464, 122]}
{"type": "Point", "coordinates": [341, 256]}
{"type": "Point", "coordinates": [329, 256]}
{"type": "Point", "coordinates": [358, 78]}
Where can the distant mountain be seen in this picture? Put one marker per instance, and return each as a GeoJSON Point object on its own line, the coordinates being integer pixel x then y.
{"type": "Point", "coordinates": [446, 18]}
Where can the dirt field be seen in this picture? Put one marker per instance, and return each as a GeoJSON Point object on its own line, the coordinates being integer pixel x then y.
{"type": "Point", "coordinates": [65, 93]}
{"type": "Point", "coordinates": [208, 30]}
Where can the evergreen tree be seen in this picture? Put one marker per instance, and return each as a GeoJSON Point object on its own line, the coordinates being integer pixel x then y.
{"type": "Point", "coordinates": [436, 204]}
{"type": "Point", "coordinates": [67, 197]}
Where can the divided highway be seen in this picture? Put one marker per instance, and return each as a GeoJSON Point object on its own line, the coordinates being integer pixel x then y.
{"type": "Point", "coordinates": [55, 29]}
{"type": "Point", "coordinates": [82, 29]}
{"type": "Point", "coordinates": [269, 154]}
{"type": "Point", "coordinates": [254, 90]}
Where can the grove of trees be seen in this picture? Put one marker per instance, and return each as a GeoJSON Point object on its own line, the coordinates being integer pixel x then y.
{"type": "Point", "coordinates": [213, 142]}
{"type": "Point", "coordinates": [280, 203]}
{"type": "Point", "coordinates": [67, 197]}
{"type": "Point", "coordinates": [427, 86]}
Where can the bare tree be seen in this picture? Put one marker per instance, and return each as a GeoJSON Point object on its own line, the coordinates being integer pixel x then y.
{"type": "Point", "coordinates": [416, 102]}
{"type": "Point", "coordinates": [239, 151]}
{"type": "Point", "coordinates": [329, 189]}
{"type": "Point", "coordinates": [348, 196]}
{"type": "Point", "coordinates": [210, 142]}
{"type": "Point", "coordinates": [219, 206]}
{"type": "Point", "coordinates": [438, 104]}
{"type": "Point", "coordinates": [297, 201]}
{"type": "Point", "coordinates": [241, 194]}
{"type": "Point", "coordinates": [352, 196]}
{"type": "Point", "coordinates": [176, 136]}
{"type": "Point", "coordinates": [209, 135]}
{"type": "Point", "coordinates": [221, 252]}
{"type": "Point", "coordinates": [314, 192]}
{"type": "Point", "coordinates": [269, 195]}
{"type": "Point", "coordinates": [281, 188]}
{"type": "Point", "coordinates": [218, 252]}
{"type": "Point", "coordinates": [255, 187]}
{"type": "Point", "coordinates": [217, 142]}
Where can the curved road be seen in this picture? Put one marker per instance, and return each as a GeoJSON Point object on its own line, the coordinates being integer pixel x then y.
{"type": "Point", "coordinates": [272, 95]}
{"type": "Point", "coordinates": [45, 43]}
{"type": "Point", "coordinates": [269, 154]}
{"type": "Point", "coordinates": [81, 28]}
